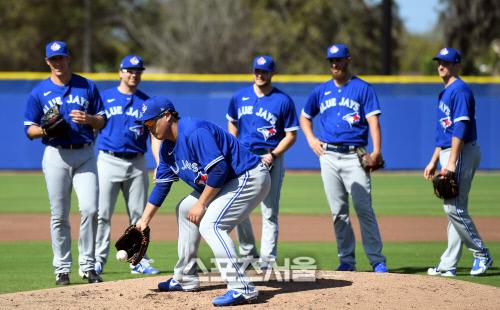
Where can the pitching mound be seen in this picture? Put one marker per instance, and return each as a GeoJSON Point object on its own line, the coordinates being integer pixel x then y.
{"type": "Point", "coordinates": [332, 290]}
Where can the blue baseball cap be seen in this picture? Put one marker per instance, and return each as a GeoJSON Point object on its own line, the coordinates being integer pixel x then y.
{"type": "Point", "coordinates": [155, 106]}
{"type": "Point", "coordinates": [132, 62]}
{"type": "Point", "coordinates": [265, 63]}
{"type": "Point", "coordinates": [337, 51]}
{"type": "Point", "coordinates": [448, 54]}
{"type": "Point", "coordinates": [56, 48]}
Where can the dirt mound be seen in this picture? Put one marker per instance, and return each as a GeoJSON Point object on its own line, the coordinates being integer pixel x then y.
{"type": "Point", "coordinates": [331, 290]}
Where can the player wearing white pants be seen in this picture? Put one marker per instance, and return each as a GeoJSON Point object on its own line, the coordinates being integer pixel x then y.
{"type": "Point", "coordinates": [228, 181]}
{"type": "Point", "coordinates": [457, 151]}
{"type": "Point", "coordinates": [265, 121]}
{"type": "Point", "coordinates": [68, 160]}
{"type": "Point", "coordinates": [348, 109]}
{"type": "Point", "coordinates": [121, 163]}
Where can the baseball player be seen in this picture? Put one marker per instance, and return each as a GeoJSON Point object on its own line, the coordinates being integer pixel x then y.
{"type": "Point", "coordinates": [228, 181]}
{"type": "Point", "coordinates": [68, 161]}
{"type": "Point", "coordinates": [121, 163]}
{"type": "Point", "coordinates": [457, 151]}
{"type": "Point", "coordinates": [265, 121]}
{"type": "Point", "coordinates": [348, 108]}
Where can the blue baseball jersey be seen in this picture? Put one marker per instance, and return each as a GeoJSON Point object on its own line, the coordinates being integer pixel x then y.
{"type": "Point", "coordinates": [455, 104]}
{"type": "Point", "coordinates": [343, 111]}
{"type": "Point", "coordinates": [262, 121]}
{"type": "Point", "coordinates": [200, 145]}
{"type": "Point", "coordinates": [122, 133]}
{"type": "Point", "coordinates": [80, 94]}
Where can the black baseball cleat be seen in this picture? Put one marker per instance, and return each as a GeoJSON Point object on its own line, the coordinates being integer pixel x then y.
{"type": "Point", "coordinates": [91, 276]}
{"type": "Point", "coordinates": [62, 279]}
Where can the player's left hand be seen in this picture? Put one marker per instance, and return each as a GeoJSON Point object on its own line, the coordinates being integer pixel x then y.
{"type": "Point", "coordinates": [79, 117]}
{"type": "Point", "coordinates": [267, 159]}
{"type": "Point", "coordinates": [196, 213]}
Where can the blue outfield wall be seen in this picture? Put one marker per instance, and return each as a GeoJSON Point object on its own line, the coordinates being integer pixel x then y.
{"type": "Point", "coordinates": [408, 118]}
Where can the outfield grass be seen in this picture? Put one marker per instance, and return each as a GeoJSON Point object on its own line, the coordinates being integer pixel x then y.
{"type": "Point", "coordinates": [302, 193]}
{"type": "Point", "coordinates": [27, 265]}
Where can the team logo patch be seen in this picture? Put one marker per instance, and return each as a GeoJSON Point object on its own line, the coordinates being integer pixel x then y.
{"type": "Point", "coordinates": [267, 131]}
{"type": "Point", "coordinates": [261, 61]}
{"type": "Point", "coordinates": [55, 46]}
{"type": "Point", "coordinates": [352, 118]}
{"type": "Point", "coordinates": [201, 178]}
{"type": "Point", "coordinates": [134, 60]}
{"type": "Point", "coordinates": [334, 49]}
{"type": "Point", "coordinates": [443, 51]}
{"type": "Point", "coordinates": [445, 122]}
{"type": "Point", "coordinates": [138, 130]}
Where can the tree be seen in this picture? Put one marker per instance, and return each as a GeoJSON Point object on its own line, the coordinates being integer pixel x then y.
{"type": "Point", "coordinates": [471, 27]}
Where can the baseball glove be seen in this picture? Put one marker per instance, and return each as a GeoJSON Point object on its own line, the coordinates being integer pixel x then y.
{"type": "Point", "coordinates": [445, 185]}
{"type": "Point", "coordinates": [367, 162]}
{"type": "Point", "coordinates": [135, 242]}
{"type": "Point", "coordinates": [53, 123]}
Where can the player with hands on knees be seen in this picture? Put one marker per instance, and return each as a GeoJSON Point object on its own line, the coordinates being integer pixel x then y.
{"type": "Point", "coordinates": [228, 182]}
{"type": "Point", "coordinates": [121, 162]}
{"type": "Point", "coordinates": [459, 155]}
{"type": "Point", "coordinates": [64, 110]}
{"type": "Point", "coordinates": [265, 121]}
{"type": "Point", "coordinates": [348, 109]}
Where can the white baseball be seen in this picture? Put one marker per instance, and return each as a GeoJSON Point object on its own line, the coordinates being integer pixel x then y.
{"type": "Point", "coordinates": [122, 255]}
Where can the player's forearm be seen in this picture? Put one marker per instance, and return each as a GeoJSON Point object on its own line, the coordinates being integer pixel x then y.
{"type": "Point", "coordinates": [456, 147]}
{"type": "Point", "coordinates": [155, 148]}
{"type": "Point", "coordinates": [285, 143]}
{"type": "Point", "coordinates": [148, 214]}
{"type": "Point", "coordinates": [34, 132]}
{"type": "Point", "coordinates": [96, 121]}
{"type": "Point", "coordinates": [307, 128]}
{"type": "Point", "coordinates": [208, 195]}
{"type": "Point", "coordinates": [375, 133]}
{"type": "Point", "coordinates": [232, 128]}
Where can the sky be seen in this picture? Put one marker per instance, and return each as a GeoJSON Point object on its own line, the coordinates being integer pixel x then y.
{"type": "Point", "coordinates": [419, 16]}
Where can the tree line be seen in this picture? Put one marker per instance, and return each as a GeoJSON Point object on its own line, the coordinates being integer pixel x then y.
{"type": "Point", "coordinates": [223, 36]}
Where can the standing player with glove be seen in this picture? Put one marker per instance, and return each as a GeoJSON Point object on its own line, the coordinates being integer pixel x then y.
{"type": "Point", "coordinates": [68, 160]}
{"type": "Point", "coordinates": [348, 108]}
{"type": "Point", "coordinates": [121, 163]}
{"type": "Point", "coordinates": [265, 121]}
{"type": "Point", "coordinates": [459, 155]}
{"type": "Point", "coordinates": [228, 181]}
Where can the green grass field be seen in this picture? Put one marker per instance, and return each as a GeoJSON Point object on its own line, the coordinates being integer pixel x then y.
{"type": "Point", "coordinates": [28, 265]}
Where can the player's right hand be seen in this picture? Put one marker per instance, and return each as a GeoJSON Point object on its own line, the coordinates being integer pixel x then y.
{"type": "Point", "coordinates": [317, 146]}
{"type": "Point", "coordinates": [429, 171]}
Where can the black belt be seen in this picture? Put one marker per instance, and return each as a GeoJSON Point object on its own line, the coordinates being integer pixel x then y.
{"type": "Point", "coordinates": [339, 148]}
{"type": "Point", "coordinates": [74, 146]}
{"type": "Point", "coordinates": [124, 155]}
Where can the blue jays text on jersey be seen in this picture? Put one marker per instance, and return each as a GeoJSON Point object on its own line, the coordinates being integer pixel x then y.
{"type": "Point", "coordinates": [122, 133]}
{"type": "Point", "coordinates": [343, 111]}
{"type": "Point", "coordinates": [199, 146]}
{"type": "Point", "coordinates": [455, 103]}
{"type": "Point", "coordinates": [262, 121]}
{"type": "Point", "coordinates": [80, 94]}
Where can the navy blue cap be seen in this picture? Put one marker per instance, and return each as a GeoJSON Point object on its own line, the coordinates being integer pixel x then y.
{"type": "Point", "coordinates": [265, 63]}
{"type": "Point", "coordinates": [337, 51]}
{"type": "Point", "coordinates": [56, 48]}
{"type": "Point", "coordinates": [132, 62]}
{"type": "Point", "coordinates": [155, 106]}
{"type": "Point", "coordinates": [448, 54]}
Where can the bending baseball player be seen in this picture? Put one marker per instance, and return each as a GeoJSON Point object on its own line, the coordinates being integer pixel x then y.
{"type": "Point", "coordinates": [348, 108]}
{"type": "Point", "coordinates": [458, 153]}
{"type": "Point", "coordinates": [265, 121]}
{"type": "Point", "coordinates": [228, 181]}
